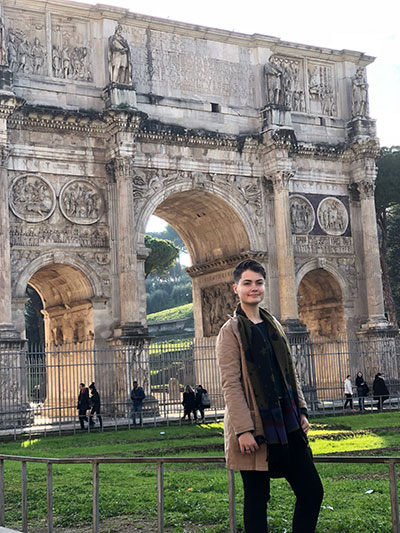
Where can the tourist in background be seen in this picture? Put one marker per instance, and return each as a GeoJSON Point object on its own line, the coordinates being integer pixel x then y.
{"type": "Point", "coordinates": [137, 397]}
{"type": "Point", "coordinates": [83, 404]}
{"type": "Point", "coordinates": [348, 392]}
{"type": "Point", "coordinates": [189, 403]}
{"type": "Point", "coordinates": [202, 401]}
{"type": "Point", "coordinates": [362, 390]}
{"type": "Point", "coordinates": [381, 392]}
{"type": "Point", "coordinates": [94, 401]}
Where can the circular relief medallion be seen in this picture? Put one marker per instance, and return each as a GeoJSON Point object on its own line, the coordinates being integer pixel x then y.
{"type": "Point", "coordinates": [302, 215]}
{"type": "Point", "coordinates": [81, 202]}
{"type": "Point", "coordinates": [32, 198]}
{"type": "Point", "coordinates": [332, 216]}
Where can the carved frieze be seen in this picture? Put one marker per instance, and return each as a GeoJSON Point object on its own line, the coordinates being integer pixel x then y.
{"type": "Point", "coordinates": [321, 89]}
{"type": "Point", "coordinates": [70, 49]}
{"type": "Point", "coordinates": [284, 82]}
{"type": "Point", "coordinates": [218, 303]}
{"type": "Point", "coordinates": [302, 215]}
{"type": "Point", "coordinates": [25, 48]}
{"type": "Point", "coordinates": [81, 202]}
{"type": "Point", "coordinates": [332, 216]}
{"type": "Point", "coordinates": [49, 234]}
{"type": "Point", "coordinates": [32, 198]}
{"type": "Point", "coordinates": [322, 245]}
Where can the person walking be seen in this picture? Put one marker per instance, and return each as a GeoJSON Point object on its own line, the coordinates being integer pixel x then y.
{"type": "Point", "coordinates": [202, 401]}
{"type": "Point", "coordinates": [94, 401]}
{"type": "Point", "coordinates": [189, 403]}
{"type": "Point", "coordinates": [381, 392]}
{"type": "Point", "coordinates": [137, 397]}
{"type": "Point", "coordinates": [362, 390]}
{"type": "Point", "coordinates": [265, 411]}
{"type": "Point", "coordinates": [83, 404]}
{"type": "Point", "coordinates": [348, 392]}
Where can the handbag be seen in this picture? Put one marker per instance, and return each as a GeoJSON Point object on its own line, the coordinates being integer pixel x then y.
{"type": "Point", "coordinates": [205, 400]}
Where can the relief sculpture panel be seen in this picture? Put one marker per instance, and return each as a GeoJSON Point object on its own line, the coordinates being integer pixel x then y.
{"type": "Point", "coordinates": [302, 215]}
{"type": "Point", "coordinates": [321, 89]}
{"type": "Point", "coordinates": [25, 48]}
{"type": "Point", "coordinates": [32, 198]}
{"type": "Point", "coordinates": [332, 216]}
{"type": "Point", "coordinates": [70, 50]}
{"type": "Point", "coordinates": [81, 202]}
{"type": "Point", "coordinates": [218, 303]}
{"type": "Point", "coordinates": [284, 82]}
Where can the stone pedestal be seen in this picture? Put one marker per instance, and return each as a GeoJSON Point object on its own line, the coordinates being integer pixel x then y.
{"type": "Point", "coordinates": [361, 127]}
{"type": "Point", "coordinates": [275, 116]}
{"type": "Point", "coordinates": [120, 96]}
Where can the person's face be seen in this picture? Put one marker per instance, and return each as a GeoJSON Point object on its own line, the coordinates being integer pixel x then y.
{"type": "Point", "coordinates": [250, 288]}
{"type": "Point", "coordinates": [135, 385]}
{"type": "Point", "coordinates": [359, 374]}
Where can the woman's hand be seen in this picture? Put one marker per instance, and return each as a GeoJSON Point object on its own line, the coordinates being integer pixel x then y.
{"type": "Point", "coordinates": [305, 426]}
{"type": "Point", "coordinates": [247, 443]}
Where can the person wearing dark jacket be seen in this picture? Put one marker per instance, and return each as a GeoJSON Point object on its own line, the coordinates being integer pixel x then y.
{"type": "Point", "coordinates": [199, 401]}
{"type": "Point", "coordinates": [83, 404]}
{"type": "Point", "coordinates": [362, 390]}
{"type": "Point", "coordinates": [381, 392]}
{"type": "Point", "coordinates": [137, 397]}
{"type": "Point", "coordinates": [94, 401]}
{"type": "Point", "coordinates": [189, 403]}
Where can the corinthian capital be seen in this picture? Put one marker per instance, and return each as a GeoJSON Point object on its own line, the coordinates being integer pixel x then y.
{"type": "Point", "coordinates": [366, 188]}
{"type": "Point", "coordinates": [120, 167]}
{"type": "Point", "coordinates": [280, 179]}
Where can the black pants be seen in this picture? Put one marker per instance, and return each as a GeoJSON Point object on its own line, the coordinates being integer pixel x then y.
{"type": "Point", "coordinates": [98, 415]}
{"type": "Point", "coordinates": [349, 400]}
{"type": "Point", "coordinates": [82, 417]}
{"type": "Point", "coordinates": [306, 484]}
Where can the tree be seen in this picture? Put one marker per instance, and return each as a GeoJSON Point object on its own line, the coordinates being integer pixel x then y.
{"type": "Point", "coordinates": [162, 256]}
{"type": "Point", "coordinates": [387, 197]}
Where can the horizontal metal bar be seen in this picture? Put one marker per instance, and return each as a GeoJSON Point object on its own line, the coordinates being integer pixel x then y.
{"type": "Point", "coordinates": [216, 459]}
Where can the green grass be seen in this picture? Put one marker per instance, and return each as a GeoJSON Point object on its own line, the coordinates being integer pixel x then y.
{"type": "Point", "coordinates": [183, 311]}
{"type": "Point", "coordinates": [196, 495]}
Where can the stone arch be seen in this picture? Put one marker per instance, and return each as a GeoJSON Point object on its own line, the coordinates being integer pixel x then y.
{"type": "Point", "coordinates": [218, 231]}
{"type": "Point", "coordinates": [67, 287]}
{"type": "Point", "coordinates": [58, 258]}
{"type": "Point", "coordinates": [320, 292]}
{"type": "Point", "coordinates": [225, 197]}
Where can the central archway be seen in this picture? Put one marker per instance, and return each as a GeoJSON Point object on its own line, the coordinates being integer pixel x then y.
{"type": "Point", "coordinates": [216, 238]}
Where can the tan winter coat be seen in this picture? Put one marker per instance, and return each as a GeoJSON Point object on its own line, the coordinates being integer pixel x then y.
{"type": "Point", "coordinates": [241, 411]}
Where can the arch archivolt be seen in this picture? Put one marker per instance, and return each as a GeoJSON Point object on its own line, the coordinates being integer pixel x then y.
{"type": "Point", "coordinates": [342, 270]}
{"type": "Point", "coordinates": [243, 196]}
{"type": "Point", "coordinates": [92, 284]}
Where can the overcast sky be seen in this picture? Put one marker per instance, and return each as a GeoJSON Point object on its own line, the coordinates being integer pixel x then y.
{"type": "Point", "coordinates": [360, 25]}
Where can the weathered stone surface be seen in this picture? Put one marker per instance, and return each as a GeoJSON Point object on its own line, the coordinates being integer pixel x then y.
{"type": "Point", "coordinates": [103, 124]}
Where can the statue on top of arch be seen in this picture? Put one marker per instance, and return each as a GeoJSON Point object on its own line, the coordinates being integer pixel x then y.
{"type": "Point", "coordinates": [119, 58]}
{"type": "Point", "coordinates": [360, 106]}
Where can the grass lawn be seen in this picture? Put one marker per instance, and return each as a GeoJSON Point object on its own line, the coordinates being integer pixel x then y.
{"type": "Point", "coordinates": [196, 498]}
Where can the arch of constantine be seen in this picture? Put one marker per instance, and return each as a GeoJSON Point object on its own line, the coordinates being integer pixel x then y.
{"type": "Point", "coordinates": [247, 145]}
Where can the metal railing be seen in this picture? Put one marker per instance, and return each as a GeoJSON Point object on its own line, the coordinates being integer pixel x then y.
{"type": "Point", "coordinates": [160, 462]}
{"type": "Point", "coordinates": [40, 387]}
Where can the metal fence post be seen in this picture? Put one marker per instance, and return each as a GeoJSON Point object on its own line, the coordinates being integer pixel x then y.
{"type": "Point", "coordinates": [95, 477]}
{"type": "Point", "coordinates": [394, 502]}
{"type": "Point", "coordinates": [232, 501]}
{"type": "Point", "coordinates": [160, 496]}
{"type": "Point", "coordinates": [2, 509]}
{"type": "Point", "coordinates": [49, 498]}
{"type": "Point", "coordinates": [24, 498]}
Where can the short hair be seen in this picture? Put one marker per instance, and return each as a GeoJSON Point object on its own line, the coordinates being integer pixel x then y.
{"type": "Point", "coordinates": [248, 264]}
{"type": "Point", "coordinates": [134, 381]}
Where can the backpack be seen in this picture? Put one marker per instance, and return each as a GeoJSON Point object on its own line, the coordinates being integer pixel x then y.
{"type": "Point", "coordinates": [205, 400]}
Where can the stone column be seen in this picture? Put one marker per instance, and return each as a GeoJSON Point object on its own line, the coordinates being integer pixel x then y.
{"type": "Point", "coordinates": [8, 332]}
{"type": "Point", "coordinates": [373, 277]}
{"type": "Point", "coordinates": [126, 252]}
{"type": "Point", "coordinates": [285, 258]}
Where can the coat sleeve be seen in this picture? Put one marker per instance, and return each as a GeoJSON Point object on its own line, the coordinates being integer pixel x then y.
{"type": "Point", "coordinates": [228, 357]}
